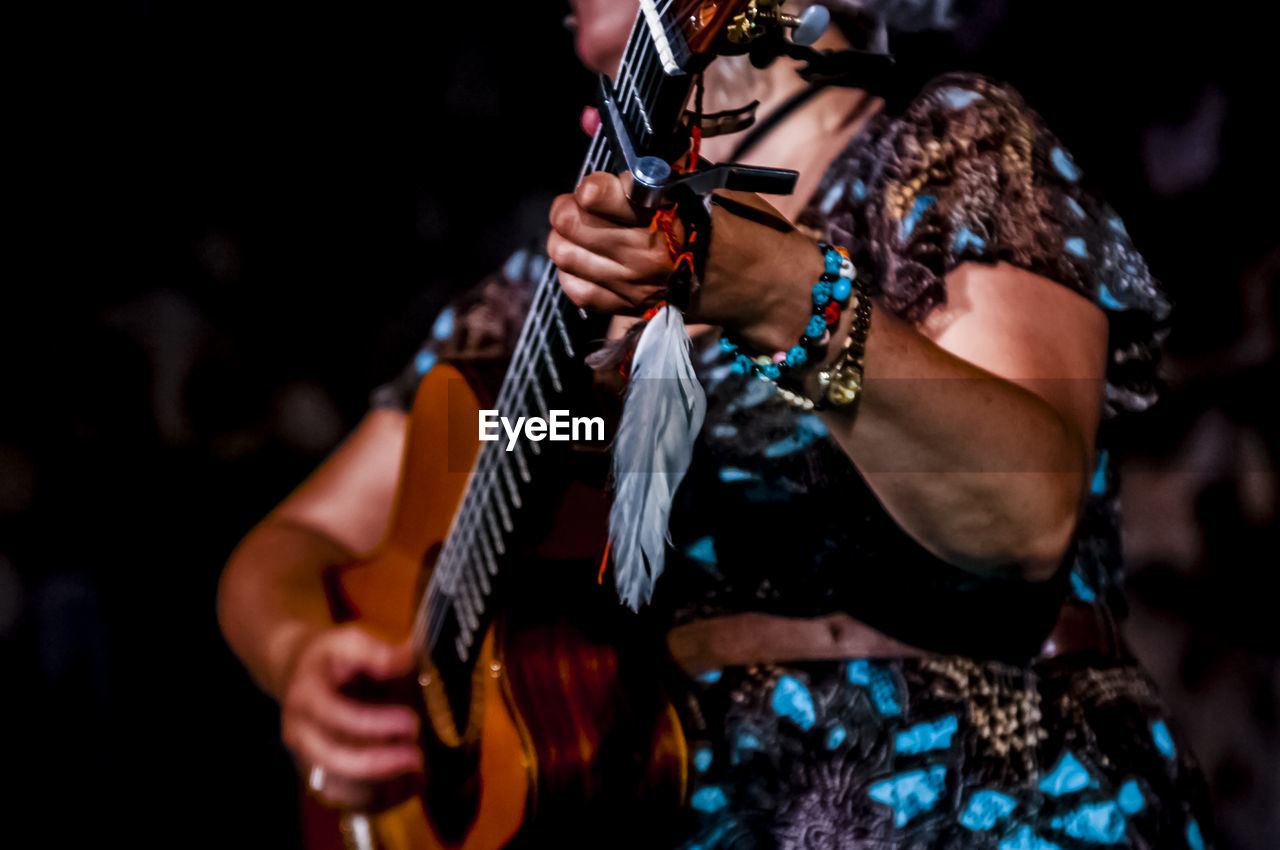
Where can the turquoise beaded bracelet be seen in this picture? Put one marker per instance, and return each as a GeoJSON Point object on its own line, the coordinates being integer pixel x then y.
{"type": "Point", "coordinates": [830, 295]}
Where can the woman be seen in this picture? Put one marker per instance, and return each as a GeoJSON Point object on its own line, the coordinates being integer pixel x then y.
{"type": "Point", "coordinates": [859, 600]}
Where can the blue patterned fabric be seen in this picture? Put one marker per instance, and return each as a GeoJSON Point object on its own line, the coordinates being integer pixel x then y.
{"type": "Point", "coordinates": [981, 755]}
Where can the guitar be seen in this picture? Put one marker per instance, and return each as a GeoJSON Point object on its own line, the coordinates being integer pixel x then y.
{"type": "Point", "coordinates": [544, 716]}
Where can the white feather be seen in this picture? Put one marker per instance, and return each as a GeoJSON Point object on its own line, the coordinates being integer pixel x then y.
{"type": "Point", "coordinates": [662, 416]}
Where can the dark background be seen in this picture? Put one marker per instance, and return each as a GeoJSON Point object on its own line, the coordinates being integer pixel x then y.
{"type": "Point", "coordinates": [230, 220]}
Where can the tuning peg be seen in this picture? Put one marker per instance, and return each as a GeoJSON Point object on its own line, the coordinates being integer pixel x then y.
{"type": "Point", "coordinates": [759, 17]}
{"type": "Point", "coordinates": [809, 26]}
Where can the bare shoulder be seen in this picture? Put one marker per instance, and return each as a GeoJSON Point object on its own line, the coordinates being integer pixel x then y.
{"type": "Point", "coordinates": [1018, 324]}
{"type": "Point", "coordinates": [349, 497]}
{"type": "Point", "coordinates": [1031, 331]}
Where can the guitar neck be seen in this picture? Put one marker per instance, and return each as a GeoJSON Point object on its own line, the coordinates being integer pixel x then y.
{"type": "Point", "coordinates": [651, 89]}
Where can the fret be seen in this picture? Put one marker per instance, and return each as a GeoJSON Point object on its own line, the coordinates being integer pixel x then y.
{"type": "Point", "coordinates": [511, 485]}
{"type": "Point", "coordinates": [474, 598]}
{"type": "Point", "coordinates": [521, 464]}
{"type": "Point", "coordinates": [468, 537]}
{"type": "Point", "coordinates": [444, 574]}
{"type": "Point", "coordinates": [490, 560]}
{"type": "Point", "coordinates": [524, 361]}
{"type": "Point", "coordinates": [472, 594]}
{"type": "Point", "coordinates": [539, 400]}
{"type": "Point", "coordinates": [649, 83]}
{"type": "Point", "coordinates": [494, 534]}
{"type": "Point", "coordinates": [652, 80]}
{"type": "Point", "coordinates": [504, 513]}
{"type": "Point", "coordinates": [482, 574]}
{"type": "Point", "coordinates": [667, 97]}
{"type": "Point", "coordinates": [462, 614]}
{"type": "Point", "coordinates": [462, 607]}
{"type": "Point", "coordinates": [627, 106]}
{"type": "Point", "coordinates": [558, 318]}
{"type": "Point", "coordinates": [540, 403]}
{"type": "Point", "coordinates": [552, 371]}
{"type": "Point", "coordinates": [465, 629]}
{"type": "Point", "coordinates": [446, 571]}
{"type": "Point", "coordinates": [647, 72]}
{"type": "Point", "coordinates": [638, 101]}
{"type": "Point", "coordinates": [469, 533]}
{"type": "Point", "coordinates": [460, 567]}
{"type": "Point", "coordinates": [544, 292]}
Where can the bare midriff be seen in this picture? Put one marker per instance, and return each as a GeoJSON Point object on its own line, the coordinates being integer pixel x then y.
{"type": "Point", "coordinates": [753, 638]}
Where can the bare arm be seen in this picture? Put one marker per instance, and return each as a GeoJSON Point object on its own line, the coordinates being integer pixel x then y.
{"type": "Point", "coordinates": [274, 613]}
{"type": "Point", "coordinates": [975, 430]}
{"type": "Point", "coordinates": [271, 597]}
{"type": "Point", "coordinates": [976, 427]}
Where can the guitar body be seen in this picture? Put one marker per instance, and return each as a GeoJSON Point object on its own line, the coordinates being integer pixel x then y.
{"type": "Point", "coordinates": [567, 729]}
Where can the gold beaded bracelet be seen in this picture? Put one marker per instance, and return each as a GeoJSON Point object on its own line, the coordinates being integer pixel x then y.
{"type": "Point", "coordinates": [840, 385]}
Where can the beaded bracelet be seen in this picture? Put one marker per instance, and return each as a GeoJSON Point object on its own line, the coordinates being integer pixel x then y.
{"type": "Point", "coordinates": [841, 384]}
{"type": "Point", "coordinates": [830, 295]}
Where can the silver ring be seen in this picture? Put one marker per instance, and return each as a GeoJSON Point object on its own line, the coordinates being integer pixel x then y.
{"type": "Point", "coordinates": [315, 779]}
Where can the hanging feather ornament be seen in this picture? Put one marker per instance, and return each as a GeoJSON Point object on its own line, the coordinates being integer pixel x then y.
{"type": "Point", "coordinates": [664, 409]}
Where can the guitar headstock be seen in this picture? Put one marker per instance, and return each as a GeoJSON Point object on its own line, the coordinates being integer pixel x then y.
{"type": "Point", "coordinates": [702, 22]}
{"type": "Point", "coordinates": [694, 30]}
{"type": "Point", "coordinates": [644, 112]}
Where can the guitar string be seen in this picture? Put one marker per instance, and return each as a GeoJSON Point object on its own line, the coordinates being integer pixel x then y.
{"type": "Point", "coordinates": [450, 566]}
{"type": "Point", "coordinates": [548, 303]}
{"type": "Point", "coordinates": [496, 466]}
{"type": "Point", "coordinates": [528, 356]}
{"type": "Point", "coordinates": [628, 64]}
{"type": "Point", "coordinates": [482, 486]}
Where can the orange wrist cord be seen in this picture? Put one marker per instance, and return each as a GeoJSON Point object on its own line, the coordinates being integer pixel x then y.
{"type": "Point", "coordinates": [664, 219]}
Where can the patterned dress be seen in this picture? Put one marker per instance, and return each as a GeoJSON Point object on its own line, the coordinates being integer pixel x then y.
{"type": "Point", "coordinates": [979, 742]}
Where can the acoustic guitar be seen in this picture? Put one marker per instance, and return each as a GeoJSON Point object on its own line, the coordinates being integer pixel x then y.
{"type": "Point", "coordinates": [544, 716]}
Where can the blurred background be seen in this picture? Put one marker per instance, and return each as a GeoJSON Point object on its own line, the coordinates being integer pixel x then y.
{"type": "Point", "coordinates": [231, 220]}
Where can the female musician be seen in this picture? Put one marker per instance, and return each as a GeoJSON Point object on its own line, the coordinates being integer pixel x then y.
{"type": "Point", "coordinates": [891, 612]}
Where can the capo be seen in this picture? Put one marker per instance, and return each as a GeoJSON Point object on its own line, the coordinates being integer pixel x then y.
{"type": "Point", "coordinates": [653, 179]}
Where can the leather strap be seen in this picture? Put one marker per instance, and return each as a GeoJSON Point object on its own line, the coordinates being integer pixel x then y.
{"type": "Point", "coordinates": [1084, 628]}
